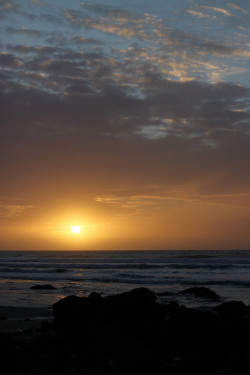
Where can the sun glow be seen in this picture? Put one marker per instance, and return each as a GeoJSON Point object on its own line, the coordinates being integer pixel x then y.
{"type": "Point", "coordinates": [76, 229]}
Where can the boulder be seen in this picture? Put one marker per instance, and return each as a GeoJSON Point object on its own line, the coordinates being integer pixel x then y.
{"type": "Point", "coordinates": [231, 309]}
{"type": "Point", "coordinates": [43, 286]}
{"type": "Point", "coordinates": [136, 297]}
{"type": "Point", "coordinates": [134, 311]}
{"type": "Point", "coordinates": [201, 292]}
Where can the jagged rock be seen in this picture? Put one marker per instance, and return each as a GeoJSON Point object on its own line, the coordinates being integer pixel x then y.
{"type": "Point", "coordinates": [43, 286]}
{"type": "Point", "coordinates": [202, 292]}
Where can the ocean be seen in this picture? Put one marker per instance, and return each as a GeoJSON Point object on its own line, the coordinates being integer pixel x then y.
{"type": "Point", "coordinates": [108, 272]}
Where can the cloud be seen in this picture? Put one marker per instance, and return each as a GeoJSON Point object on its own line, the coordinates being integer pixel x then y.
{"type": "Point", "coordinates": [9, 60]}
{"type": "Point", "coordinates": [172, 52]}
{"type": "Point", "coordinates": [69, 15]}
{"type": "Point", "coordinates": [110, 11]}
{"type": "Point", "coordinates": [7, 8]}
{"type": "Point", "coordinates": [189, 114]}
{"type": "Point", "coordinates": [172, 198]}
{"type": "Point", "coordinates": [200, 14]}
{"type": "Point", "coordinates": [238, 8]}
{"type": "Point", "coordinates": [99, 79]}
{"type": "Point", "coordinates": [13, 210]}
{"type": "Point", "coordinates": [39, 50]}
{"type": "Point", "coordinates": [107, 27]}
{"type": "Point", "coordinates": [215, 9]}
{"type": "Point", "coordinates": [177, 38]}
{"type": "Point", "coordinates": [81, 40]}
{"type": "Point", "coordinates": [24, 31]}
{"type": "Point", "coordinates": [5, 5]}
{"type": "Point", "coordinates": [112, 21]}
{"type": "Point", "coordinates": [39, 3]}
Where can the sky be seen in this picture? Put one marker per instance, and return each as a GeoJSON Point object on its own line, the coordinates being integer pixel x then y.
{"type": "Point", "coordinates": [129, 119]}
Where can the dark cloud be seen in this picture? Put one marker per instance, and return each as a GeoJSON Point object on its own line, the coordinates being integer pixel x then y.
{"type": "Point", "coordinates": [6, 7]}
{"type": "Point", "coordinates": [102, 131]}
{"type": "Point", "coordinates": [9, 60]}
{"type": "Point", "coordinates": [24, 31]}
{"type": "Point", "coordinates": [81, 40]}
{"type": "Point", "coordinates": [41, 50]}
{"type": "Point", "coordinates": [83, 81]}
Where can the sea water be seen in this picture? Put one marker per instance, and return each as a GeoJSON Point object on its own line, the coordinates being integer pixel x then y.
{"type": "Point", "coordinates": [109, 272]}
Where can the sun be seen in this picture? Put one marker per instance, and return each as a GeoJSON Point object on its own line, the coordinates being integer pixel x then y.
{"type": "Point", "coordinates": [76, 229]}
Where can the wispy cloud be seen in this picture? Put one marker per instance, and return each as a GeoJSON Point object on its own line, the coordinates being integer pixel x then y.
{"type": "Point", "coordinates": [39, 3]}
{"type": "Point", "coordinates": [237, 7]}
{"type": "Point", "coordinates": [215, 9]}
{"type": "Point", "coordinates": [165, 199]}
{"type": "Point", "coordinates": [12, 210]}
{"type": "Point", "coordinates": [200, 14]}
{"type": "Point", "coordinates": [24, 31]}
{"type": "Point", "coordinates": [117, 29]}
{"type": "Point", "coordinates": [5, 5]}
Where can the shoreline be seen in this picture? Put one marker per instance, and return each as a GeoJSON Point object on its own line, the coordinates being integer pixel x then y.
{"type": "Point", "coordinates": [21, 318]}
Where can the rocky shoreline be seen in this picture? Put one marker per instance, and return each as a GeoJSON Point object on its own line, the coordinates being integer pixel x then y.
{"type": "Point", "coordinates": [132, 333]}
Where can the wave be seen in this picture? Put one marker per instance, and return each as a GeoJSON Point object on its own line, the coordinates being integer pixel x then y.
{"type": "Point", "coordinates": [134, 279]}
{"type": "Point", "coordinates": [63, 268]}
{"type": "Point", "coordinates": [232, 283]}
{"type": "Point", "coordinates": [208, 266]}
{"type": "Point", "coordinates": [81, 265]}
{"type": "Point", "coordinates": [32, 270]}
{"type": "Point", "coordinates": [115, 280]}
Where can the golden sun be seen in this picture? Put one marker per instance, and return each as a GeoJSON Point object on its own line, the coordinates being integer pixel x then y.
{"type": "Point", "coordinates": [76, 229]}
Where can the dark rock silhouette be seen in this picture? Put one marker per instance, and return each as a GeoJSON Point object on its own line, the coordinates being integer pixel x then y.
{"type": "Point", "coordinates": [135, 310]}
{"type": "Point", "coordinates": [202, 292]}
{"type": "Point", "coordinates": [44, 286]}
{"type": "Point", "coordinates": [161, 294]}
{"type": "Point", "coordinates": [232, 310]}
{"type": "Point", "coordinates": [132, 333]}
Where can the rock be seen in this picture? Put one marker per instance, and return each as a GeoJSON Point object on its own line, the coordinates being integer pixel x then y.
{"type": "Point", "coordinates": [44, 286]}
{"type": "Point", "coordinates": [172, 309]}
{"type": "Point", "coordinates": [202, 292]}
{"type": "Point", "coordinates": [162, 294]}
{"type": "Point", "coordinates": [197, 364]}
{"type": "Point", "coordinates": [135, 311]}
{"type": "Point", "coordinates": [232, 309]}
{"type": "Point", "coordinates": [136, 297]}
{"type": "Point", "coordinates": [95, 297]}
